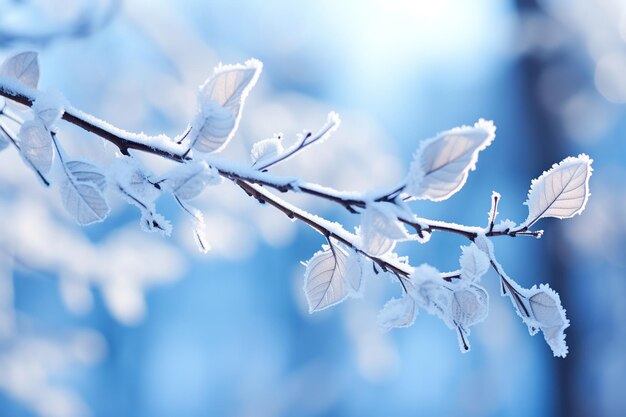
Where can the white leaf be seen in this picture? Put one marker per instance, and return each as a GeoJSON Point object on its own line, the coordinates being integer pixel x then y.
{"type": "Point", "coordinates": [84, 201]}
{"type": "Point", "coordinates": [189, 180]}
{"type": "Point", "coordinates": [324, 280]}
{"type": "Point", "coordinates": [133, 179]}
{"type": "Point", "coordinates": [560, 192]}
{"type": "Point", "coordinates": [36, 145]}
{"type": "Point", "coordinates": [24, 67]}
{"type": "Point", "coordinates": [49, 108]}
{"type": "Point", "coordinates": [380, 228]}
{"type": "Point", "coordinates": [398, 312]}
{"type": "Point", "coordinates": [430, 291]}
{"type": "Point", "coordinates": [87, 172]}
{"type": "Point", "coordinates": [474, 262]}
{"type": "Point", "coordinates": [441, 165]}
{"type": "Point", "coordinates": [266, 149]}
{"type": "Point", "coordinates": [469, 306]}
{"type": "Point", "coordinates": [354, 271]}
{"type": "Point", "coordinates": [221, 99]}
{"type": "Point", "coordinates": [549, 315]}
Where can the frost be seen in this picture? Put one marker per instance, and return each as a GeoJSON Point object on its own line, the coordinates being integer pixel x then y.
{"type": "Point", "coordinates": [133, 183]}
{"type": "Point", "coordinates": [49, 108]}
{"type": "Point", "coordinates": [560, 192]}
{"type": "Point", "coordinates": [36, 145]}
{"type": "Point", "coordinates": [187, 181]}
{"type": "Point", "coordinates": [266, 149]}
{"type": "Point", "coordinates": [468, 307]}
{"type": "Point", "coordinates": [441, 164]}
{"type": "Point", "coordinates": [431, 294]}
{"type": "Point", "coordinates": [474, 262]}
{"type": "Point", "coordinates": [24, 67]}
{"type": "Point", "coordinates": [221, 99]}
{"type": "Point", "coordinates": [398, 312]}
{"type": "Point", "coordinates": [504, 225]}
{"type": "Point", "coordinates": [380, 228]}
{"type": "Point", "coordinates": [325, 282]}
{"type": "Point", "coordinates": [549, 315]}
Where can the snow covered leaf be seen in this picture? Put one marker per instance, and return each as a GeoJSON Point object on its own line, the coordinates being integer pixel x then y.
{"type": "Point", "coordinates": [469, 306]}
{"type": "Point", "coordinates": [398, 312]}
{"type": "Point", "coordinates": [354, 271]}
{"type": "Point", "coordinates": [87, 172]}
{"type": "Point", "coordinates": [441, 164]}
{"type": "Point", "coordinates": [474, 262]}
{"type": "Point", "coordinates": [151, 221]}
{"type": "Point", "coordinates": [431, 294]}
{"type": "Point", "coordinates": [134, 180]}
{"type": "Point", "coordinates": [133, 183]}
{"type": "Point", "coordinates": [265, 150]}
{"type": "Point", "coordinates": [380, 228]}
{"type": "Point", "coordinates": [549, 315]}
{"type": "Point", "coordinates": [199, 225]}
{"type": "Point", "coordinates": [24, 67]}
{"type": "Point", "coordinates": [188, 180]}
{"type": "Point", "coordinates": [84, 201]}
{"type": "Point", "coordinates": [36, 145]}
{"type": "Point", "coordinates": [325, 281]}
{"type": "Point", "coordinates": [49, 108]}
{"type": "Point", "coordinates": [560, 192]}
{"type": "Point", "coordinates": [221, 99]}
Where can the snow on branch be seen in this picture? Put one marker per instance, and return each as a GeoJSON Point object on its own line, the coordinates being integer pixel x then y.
{"type": "Point", "coordinates": [440, 168]}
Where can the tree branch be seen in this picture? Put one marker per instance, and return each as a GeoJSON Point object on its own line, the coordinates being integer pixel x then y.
{"type": "Point", "coordinates": [165, 147]}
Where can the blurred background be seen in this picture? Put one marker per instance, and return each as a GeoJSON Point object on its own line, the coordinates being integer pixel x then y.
{"type": "Point", "coordinates": [110, 321]}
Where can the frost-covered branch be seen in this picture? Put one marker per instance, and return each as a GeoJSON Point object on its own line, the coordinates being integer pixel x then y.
{"type": "Point", "coordinates": [439, 169]}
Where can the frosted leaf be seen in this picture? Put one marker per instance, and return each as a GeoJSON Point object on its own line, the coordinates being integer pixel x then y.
{"type": "Point", "coordinates": [474, 262]}
{"type": "Point", "coordinates": [36, 145]}
{"type": "Point", "coordinates": [266, 149]}
{"type": "Point", "coordinates": [549, 316]}
{"type": "Point", "coordinates": [398, 312]}
{"type": "Point", "coordinates": [469, 306]}
{"type": "Point", "coordinates": [441, 164]}
{"type": "Point", "coordinates": [198, 223]}
{"type": "Point", "coordinates": [87, 172]}
{"type": "Point", "coordinates": [354, 271]}
{"type": "Point", "coordinates": [49, 108]}
{"type": "Point", "coordinates": [133, 178]}
{"type": "Point", "coordinates": [324, 279]}
{"type": "Point", "coordinates": [133, 183]}
{"type": "Point", "coordinates": [84, 201]}
{"type": "Point", "coordinates": [24, 67]}
{"type": "Point", "coordinates": [151, 221]}
{"type": "Point", "coordinates": [221, 99]}
{"type": "Point", "coordinates": [430, 291]}
{"type": "Point", "coordinates": [380, 228]}
{"type": "Point", "coordinates": [560, 192]}
{"type": "Point", "coordinates": [189, 180]}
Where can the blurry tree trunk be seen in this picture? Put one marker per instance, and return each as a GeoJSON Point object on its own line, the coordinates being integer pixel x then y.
{"type": "Point", "coordinates": [549, 143]}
